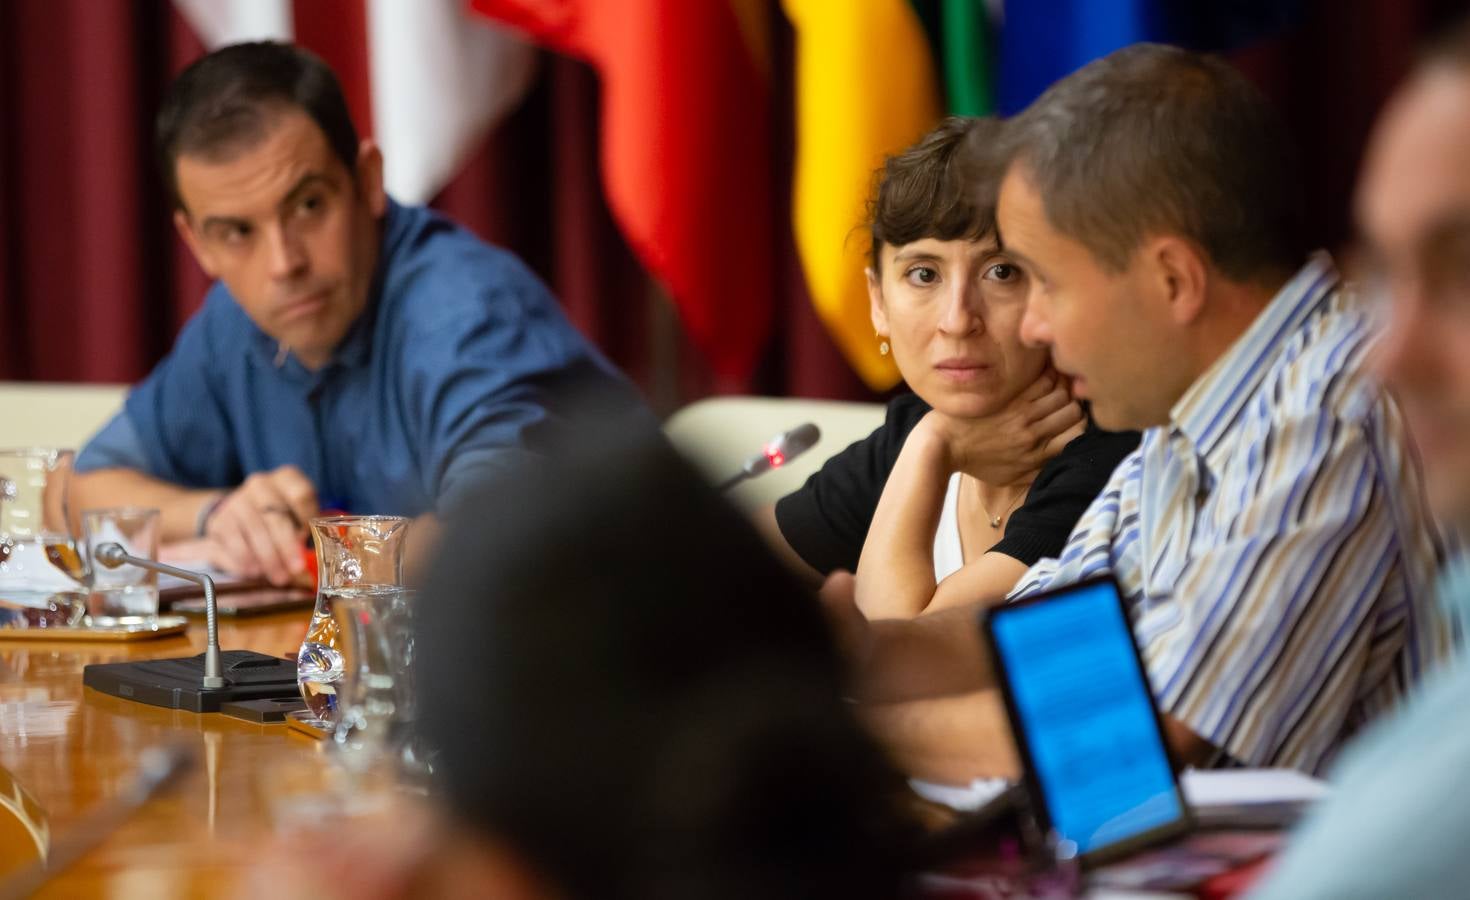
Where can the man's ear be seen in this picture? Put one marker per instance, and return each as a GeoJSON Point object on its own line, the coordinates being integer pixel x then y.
{"type": "Point", "coordinates": [184, 226]}
{"type": "Point", "coordinates": [370, 177]}
{"type": "Point", "coordinates": [1181, 276]}
{"type": "Point", "coordinates": [876, 310]}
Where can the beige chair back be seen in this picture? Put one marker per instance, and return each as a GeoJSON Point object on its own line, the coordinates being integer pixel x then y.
{"type": "Point", "coordinates": [55, 415]}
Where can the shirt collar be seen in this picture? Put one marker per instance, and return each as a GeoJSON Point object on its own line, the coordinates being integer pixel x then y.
{"type": "Point", "coordinates": [1207, 410]}
{"type": "Point", "coordinates": [356, 347]}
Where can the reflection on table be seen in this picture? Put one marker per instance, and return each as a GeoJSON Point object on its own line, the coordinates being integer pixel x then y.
{"type": "Point", "coordinates": [68, 748]}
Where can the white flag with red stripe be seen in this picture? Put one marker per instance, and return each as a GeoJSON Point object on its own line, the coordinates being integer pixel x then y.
{"type": "Point", "coordinates": [440, 77]}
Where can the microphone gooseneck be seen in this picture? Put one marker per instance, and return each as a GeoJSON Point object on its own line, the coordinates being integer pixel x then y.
{"type": "Point", "coordinates": [113, 555]}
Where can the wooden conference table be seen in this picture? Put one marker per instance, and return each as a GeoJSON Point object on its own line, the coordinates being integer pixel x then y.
{"type": "Point", "coordinates": [69, 748]}
{"type": "Point", "coordinates": [65, 750]}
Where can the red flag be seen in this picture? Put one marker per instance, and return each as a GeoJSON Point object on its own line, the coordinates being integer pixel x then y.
{"type": "Point", "coordinates": [685, 151]}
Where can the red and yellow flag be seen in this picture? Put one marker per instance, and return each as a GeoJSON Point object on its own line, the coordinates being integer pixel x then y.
{"type": "Point", "coordinates": [686, 151]}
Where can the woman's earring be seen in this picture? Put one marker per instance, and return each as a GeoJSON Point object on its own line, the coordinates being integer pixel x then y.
{"type": "Point", "coordinates": [883, 348]}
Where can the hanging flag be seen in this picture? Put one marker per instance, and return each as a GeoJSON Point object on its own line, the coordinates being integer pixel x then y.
{"type": "Point", "coordinates": [438, 77]}
{"type": "Point", "coordinates": [221, 22]}
{"type": "Point", "coordinates": [965, 33]}
{"type": "Point", "coordinates": [1045, 40]}
{"type": "Point", "coordinates": [686, 150]}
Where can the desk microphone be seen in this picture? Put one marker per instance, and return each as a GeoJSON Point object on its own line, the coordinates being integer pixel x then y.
{"type": "Point", "coordinates": [113, 555]}
{"type": "Point", "coordinates": [778, 452]}
{"type": "Point", "coordinates": [197, 683]}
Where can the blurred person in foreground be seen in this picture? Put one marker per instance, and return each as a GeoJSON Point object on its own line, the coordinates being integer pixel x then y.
{"type": "Point", "coordinates": [630, 697]}
{"type": "Point", "coordinates": [1396, 823]}
{"type": "Point", "coordinates": [1270, 536]}
{"type": "Point", "coordinates": [983, 470]}
{"type": "Point", "coordinates": [353, 353]}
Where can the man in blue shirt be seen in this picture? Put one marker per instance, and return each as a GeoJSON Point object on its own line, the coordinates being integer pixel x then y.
{"type": "Point", "coordinates": [1396, 823]}
{"type": "Point", "coordinates": [353, 353]}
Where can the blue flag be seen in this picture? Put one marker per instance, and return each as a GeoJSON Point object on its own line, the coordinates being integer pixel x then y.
{"type": "Point", "coordinates": [1045, 40]}
{"type": "Point", "coordinates": [1042, 41]}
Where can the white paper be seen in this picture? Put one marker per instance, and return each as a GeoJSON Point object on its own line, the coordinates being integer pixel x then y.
{"type": "Point", "coordinates": [220, 579]}
{"type": "Point", "coordinates": [1233, 787]}
{"type": "Point", "coordinates": [961, 797]}
{"type": "Point", "coordinates": [1202, 788]}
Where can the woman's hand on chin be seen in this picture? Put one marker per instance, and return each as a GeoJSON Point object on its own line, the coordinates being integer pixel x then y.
{"type": "Point", "coordinates": [1011, 444]}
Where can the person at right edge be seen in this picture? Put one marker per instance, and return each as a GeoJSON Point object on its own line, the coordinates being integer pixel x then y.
{"type": "Point", "coordinates": [1396, 823]}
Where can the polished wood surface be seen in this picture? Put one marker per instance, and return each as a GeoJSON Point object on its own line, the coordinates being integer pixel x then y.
{"type": "Point", "coordinates": [69, 748]}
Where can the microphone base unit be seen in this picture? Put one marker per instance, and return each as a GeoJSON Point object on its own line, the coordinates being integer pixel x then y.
{"type": "Point", "coordinates": [178, 683]}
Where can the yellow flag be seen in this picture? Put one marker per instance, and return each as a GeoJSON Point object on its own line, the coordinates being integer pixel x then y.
{"type": "Point", "coordinates": [865, 88]}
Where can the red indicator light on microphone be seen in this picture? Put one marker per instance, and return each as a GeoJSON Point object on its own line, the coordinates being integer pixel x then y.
{"type": "Point", "coordinates": [775, 457]}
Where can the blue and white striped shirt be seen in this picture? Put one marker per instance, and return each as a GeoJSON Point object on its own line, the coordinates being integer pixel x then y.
{"type": "Point", "coordinates": [1273, 541]}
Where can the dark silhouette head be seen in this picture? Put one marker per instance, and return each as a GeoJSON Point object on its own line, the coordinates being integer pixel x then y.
{"type": "Point", "coordinates": [629, 690]}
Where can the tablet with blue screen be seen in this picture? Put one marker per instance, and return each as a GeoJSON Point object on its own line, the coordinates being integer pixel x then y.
{"type": "Point", "coordinates": [1098, 769]}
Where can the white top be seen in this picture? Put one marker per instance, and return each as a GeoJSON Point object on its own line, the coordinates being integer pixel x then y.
{"type": "Point", "coordinates": [949, 555]}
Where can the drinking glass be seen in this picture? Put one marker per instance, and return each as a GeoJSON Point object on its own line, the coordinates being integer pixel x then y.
{"type": "Point", "coordinates": [354, 555]}
{"type": "Point", "coordinates": [42, 577]}
{"type": "Point", "coordinates": [125, 590]}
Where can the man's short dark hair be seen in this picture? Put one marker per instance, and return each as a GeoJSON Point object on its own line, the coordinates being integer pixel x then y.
{"type": "Point", "coordinates": [933, 190]}
{"type": "Point", "coordinates": [224, 102]}
{"type": "Point", "coordinates": [1158, 140]}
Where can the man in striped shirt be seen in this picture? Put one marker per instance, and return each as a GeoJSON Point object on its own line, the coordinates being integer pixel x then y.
{"type": "Point", "coordinates": [1270, 534]}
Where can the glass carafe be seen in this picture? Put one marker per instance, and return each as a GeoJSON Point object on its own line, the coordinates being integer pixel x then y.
{"type": "Point", "coordinates": [42, 576]}
{"type": "Point", "coordinates": [355, 555]}
{"type": "Point", "coordinates": [375, 697]}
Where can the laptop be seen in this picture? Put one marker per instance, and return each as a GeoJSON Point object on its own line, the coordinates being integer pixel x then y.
{"type": "Point", "coordinates": [1100, 781]}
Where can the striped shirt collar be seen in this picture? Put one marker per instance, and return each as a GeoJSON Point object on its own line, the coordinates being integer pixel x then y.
{"type": "Point", "coordinates": [1207, 410]}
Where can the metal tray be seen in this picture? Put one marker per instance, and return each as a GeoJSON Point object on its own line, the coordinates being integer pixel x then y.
{"type": "Point", "coordinates": [102, 628]}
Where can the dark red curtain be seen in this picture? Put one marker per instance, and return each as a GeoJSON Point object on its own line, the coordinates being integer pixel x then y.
{"type": "Point", "coordinates": [94, 283]}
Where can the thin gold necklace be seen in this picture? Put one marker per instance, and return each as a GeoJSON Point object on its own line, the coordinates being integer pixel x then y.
{"type": "Point", "coordinates": [996, 520]}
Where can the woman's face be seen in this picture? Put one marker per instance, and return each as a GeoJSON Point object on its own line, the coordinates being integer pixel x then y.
{"type": "Point", "coordinates": [951, 312]}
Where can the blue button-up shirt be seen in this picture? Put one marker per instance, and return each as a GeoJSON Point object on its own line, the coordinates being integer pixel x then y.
{"type": "Point", "coordinates": [460, 359]}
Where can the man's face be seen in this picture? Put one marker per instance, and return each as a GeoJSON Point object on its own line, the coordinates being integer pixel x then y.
{"type": "Point", "coordinates": [1104, 328]}
{"type": "Point", "coordinates": [289, 230]}
{"type": "Point", "coordinates": [1414, 211]}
